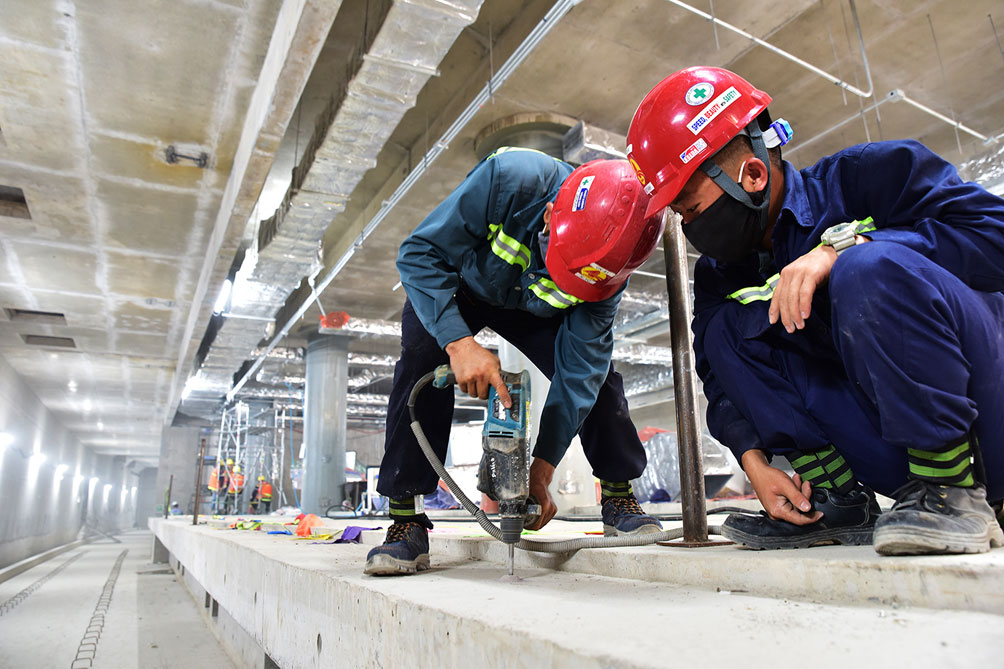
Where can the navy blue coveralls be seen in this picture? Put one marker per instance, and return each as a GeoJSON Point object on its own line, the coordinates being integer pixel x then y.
{"type": "Point", "coordinates": [904, 346]}
{"type": "Point", "coordinates": [475, 262]}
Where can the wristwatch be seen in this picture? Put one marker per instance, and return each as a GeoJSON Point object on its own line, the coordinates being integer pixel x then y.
{"type": "Point", "coordinates": [840, 236]}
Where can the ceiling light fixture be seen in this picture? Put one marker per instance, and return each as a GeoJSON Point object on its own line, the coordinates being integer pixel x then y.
{"type": "Point", "coordinates": [223, 297]}
{"type": "Point", "coordinates": [72, 385]}
{"type": "Point", "coordinates": [6, 439]}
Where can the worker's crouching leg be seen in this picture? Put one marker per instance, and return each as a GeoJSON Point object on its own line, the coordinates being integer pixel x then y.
{"type": "Point", "coordinates": [928, 351]}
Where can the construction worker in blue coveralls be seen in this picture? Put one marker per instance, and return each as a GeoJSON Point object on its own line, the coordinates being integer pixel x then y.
{"type": "Point", "coordinates": [848, 316]}
{"type": "Point", "coordinates": [540, 254]}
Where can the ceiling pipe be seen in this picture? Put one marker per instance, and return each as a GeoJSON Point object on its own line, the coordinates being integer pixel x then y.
{"type": "Point", "coordinates": [792, 57]}
{"type": "Point", "coordinates": [551, 19]}
{"type": "Point", "coordinates": [895, 95]}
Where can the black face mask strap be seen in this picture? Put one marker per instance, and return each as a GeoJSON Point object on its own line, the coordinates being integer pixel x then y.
{"type": "Point", "coordinates": [734, 189]}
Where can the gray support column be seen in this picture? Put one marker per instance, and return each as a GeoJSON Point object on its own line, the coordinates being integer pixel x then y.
{"type": "Point", "coordinates": [324, 403]}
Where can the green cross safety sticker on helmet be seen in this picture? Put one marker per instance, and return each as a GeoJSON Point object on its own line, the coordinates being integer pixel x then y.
{"type": "Point", "coordinates": [700, 94]}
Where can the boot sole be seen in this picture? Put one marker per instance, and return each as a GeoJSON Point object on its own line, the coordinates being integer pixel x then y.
{"type": "Point", "coordinates": [611, 531]}
{"type": "Point", "coordinates": [835, 536]}
{"type": "Point", "coordinates": [915, 541]}
{"type": "Point", "coordinates": [385, 565]}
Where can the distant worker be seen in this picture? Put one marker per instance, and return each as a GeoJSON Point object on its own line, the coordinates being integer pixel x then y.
{"type": "Point", "coordinates": [848, 316]}
{"type": "Point", "coordinates": [217, 482]}
{"type": "Point", "coordinates": [234, 488]}
{"type": "Point", "coordinates": [175, 509]}
{"type": "Point", "coordinates": [262, 496]}
{"type": "Point", "coordinates": [540, 254]}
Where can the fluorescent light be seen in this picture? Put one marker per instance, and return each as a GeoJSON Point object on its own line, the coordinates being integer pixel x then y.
{"type": "Point", "coordinates": [6, 439]}
{"type": "Point", "coordinates": [37, 458]}
{"type": "Point", "coordinates": [72, 385]}
{"type": "Point", "coordinates": [223, 297]}
{"type": "Point", "coordinates": [101, 426]}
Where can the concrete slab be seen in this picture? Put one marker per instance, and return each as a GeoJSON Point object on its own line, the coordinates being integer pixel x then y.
{"type": "Point", "coordinates": [308, 603]}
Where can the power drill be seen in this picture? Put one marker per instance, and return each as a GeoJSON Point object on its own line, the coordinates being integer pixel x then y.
{"type": "Point", "coordinates": [504, 472]}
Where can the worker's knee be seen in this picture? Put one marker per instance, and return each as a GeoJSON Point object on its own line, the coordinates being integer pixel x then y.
{"type": "Point", "coordinates": [869, 278]}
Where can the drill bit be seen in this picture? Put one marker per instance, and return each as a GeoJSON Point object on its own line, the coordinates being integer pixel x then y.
{"type": "Point", "coordinates": [512, 556]}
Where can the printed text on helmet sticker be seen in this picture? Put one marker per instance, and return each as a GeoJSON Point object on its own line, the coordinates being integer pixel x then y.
{"type": "Point", "coordinates": [693, 150]}
{"type": "Point", "coordinates": [717, 106]}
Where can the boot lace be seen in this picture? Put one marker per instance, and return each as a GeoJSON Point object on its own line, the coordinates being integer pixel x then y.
{"type": "Point", "coordinates": [626, 505]}
{"type": "Point", "coordinates": [920, 496]}
{"type": "Point", "coordinates": [399, 532]}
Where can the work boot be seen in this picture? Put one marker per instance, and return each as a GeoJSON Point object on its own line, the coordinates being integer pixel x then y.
{"type": "Point", "coordinates": [404, 551]}
{"type": "Point", "coordinates": [848, 519]}
{"type": "Point", "coordinates": [624, 515]}
{"type": "Point", "coordinates": [930, 518]}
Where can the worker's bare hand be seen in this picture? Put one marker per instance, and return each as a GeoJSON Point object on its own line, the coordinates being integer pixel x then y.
{"type": "Point", "coordinates": [782, 498]}
{"type": "Point", "coordinates": [792, 301]}
{"type": "Point", "coordinates": [541, 473]}
{"type": "Point", "coordinates": [477, 369]}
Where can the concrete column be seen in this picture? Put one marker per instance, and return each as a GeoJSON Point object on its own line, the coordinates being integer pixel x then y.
{"type": "Point", "coordinates": [324, 422]}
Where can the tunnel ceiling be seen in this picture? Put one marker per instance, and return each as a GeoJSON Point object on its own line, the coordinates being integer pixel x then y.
{"type": "Point", "coordinates": [142, 144]}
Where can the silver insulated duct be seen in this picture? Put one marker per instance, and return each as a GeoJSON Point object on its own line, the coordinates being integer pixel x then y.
{"type": "Point", "coordinates": [413, 39]}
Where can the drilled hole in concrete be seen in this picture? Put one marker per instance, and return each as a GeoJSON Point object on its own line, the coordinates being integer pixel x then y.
{"type": "Point", "coordinates": [318, 644]}
{"type": "Point", "coordinates": [256, 598]}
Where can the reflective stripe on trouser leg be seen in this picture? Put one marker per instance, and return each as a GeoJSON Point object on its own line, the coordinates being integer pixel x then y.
{"type": "Point", "coordinates": [615, 489]}
{"type": "Point", "coordinates": [823, 468]}
{"type": "Point", "coordinates": [950, 465]}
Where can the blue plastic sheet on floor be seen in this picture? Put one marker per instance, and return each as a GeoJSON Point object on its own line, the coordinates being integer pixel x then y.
{"type": "Point", "coordinates": [279, 532]}
{"type": "Point", "coordinates": [441, 499]}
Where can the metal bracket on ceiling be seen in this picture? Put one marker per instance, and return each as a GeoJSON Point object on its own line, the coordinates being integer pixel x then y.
{"type": "Point", "coordinates": [172, 156]}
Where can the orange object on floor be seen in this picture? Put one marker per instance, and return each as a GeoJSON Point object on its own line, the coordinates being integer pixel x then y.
{"type": "Point", "coordinates": [309, 521]}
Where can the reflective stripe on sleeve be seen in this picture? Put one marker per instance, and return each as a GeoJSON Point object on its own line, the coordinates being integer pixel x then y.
{"type": "Point", "coordinates": [546, 290]}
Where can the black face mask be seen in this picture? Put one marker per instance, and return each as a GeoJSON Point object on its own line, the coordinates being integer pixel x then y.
{"type": "Point", "coordinates": [728, 230]}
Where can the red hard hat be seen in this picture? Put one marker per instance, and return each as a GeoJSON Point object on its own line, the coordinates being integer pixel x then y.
{"type": "Point", "coordinates": [599, 231]}
{"type": "Point", "coordinates": [685, 119]}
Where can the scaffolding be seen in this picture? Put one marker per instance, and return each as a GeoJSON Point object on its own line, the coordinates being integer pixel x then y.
{"type": "Point", "coordinates": [253, 434]}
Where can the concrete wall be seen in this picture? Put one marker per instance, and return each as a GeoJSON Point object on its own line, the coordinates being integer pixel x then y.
{"type": "Point", "coordinates": [50, 482]}
{"type": "Point", "coordinates": [147, 498]}
{"type": "Point", "coordinates": [179, 455]}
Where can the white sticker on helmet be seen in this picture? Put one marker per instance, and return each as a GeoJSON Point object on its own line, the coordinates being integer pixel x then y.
{"type": "Point", "coordinates": [717, 106]}
{"type": "Point", "coordinates": [593, 273]}
{"type": "Point", "coordinates": [700, 93]}
{"type": "Point", "coordinates": [693, 150]}
{"type": "Point", "coordinates": [581, 193]}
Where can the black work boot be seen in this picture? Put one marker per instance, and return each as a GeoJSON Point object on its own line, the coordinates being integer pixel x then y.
{"type": "Point", "coordinates": [848, 519]}
{"type": "Point", "coordinates": [930, 518]}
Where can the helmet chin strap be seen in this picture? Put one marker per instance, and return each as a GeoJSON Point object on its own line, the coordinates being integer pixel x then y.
{"type": "Point", "coordinates": [735, 190]}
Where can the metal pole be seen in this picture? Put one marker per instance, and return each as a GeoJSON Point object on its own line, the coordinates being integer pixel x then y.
{"type": "Point", "coordinates": [198, 481]}
{"type": "Point", "coordinates": [167, 496]}
{"type": "Point", "coordinates": [688, 426]}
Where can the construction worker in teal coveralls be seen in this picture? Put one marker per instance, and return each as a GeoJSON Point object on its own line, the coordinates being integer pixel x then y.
{"type": "Point", "coordinates": [848, 316]}
{"type": "Point", "coordinates": [540, 254]}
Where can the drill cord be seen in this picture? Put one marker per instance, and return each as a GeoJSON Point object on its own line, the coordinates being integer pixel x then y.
{"type": "Point", "coordinates": [565, 546]}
